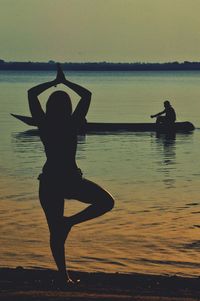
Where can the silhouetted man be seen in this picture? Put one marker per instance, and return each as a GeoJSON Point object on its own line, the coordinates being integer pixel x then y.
{"type": "Point", "coordinates": [170, 114]}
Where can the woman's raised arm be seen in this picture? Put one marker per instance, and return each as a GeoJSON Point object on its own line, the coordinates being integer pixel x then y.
{"type": "Point", "coordinates": [34, 104]}
{"type": "Point", "coordinates": [84, 103]}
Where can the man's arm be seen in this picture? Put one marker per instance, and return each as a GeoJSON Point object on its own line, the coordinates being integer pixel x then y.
{"type": "Point", "coordinates": [158, 114]}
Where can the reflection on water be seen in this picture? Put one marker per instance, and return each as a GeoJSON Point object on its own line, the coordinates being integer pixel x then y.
{"type": "Point", "coordinates": [23, 138]}
{"type": "Point", "coordinates": [167, 146]}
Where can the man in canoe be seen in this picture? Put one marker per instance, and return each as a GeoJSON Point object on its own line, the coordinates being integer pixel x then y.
{"type": "Point", "coordinates": [170, 114]}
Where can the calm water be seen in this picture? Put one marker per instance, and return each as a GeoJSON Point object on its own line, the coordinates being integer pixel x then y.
{"type": "Point", "coordinates": [155, 225]}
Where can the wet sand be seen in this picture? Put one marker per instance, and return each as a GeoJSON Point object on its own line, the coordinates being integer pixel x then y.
{"type": "Point", "coordinates": [39, 284]}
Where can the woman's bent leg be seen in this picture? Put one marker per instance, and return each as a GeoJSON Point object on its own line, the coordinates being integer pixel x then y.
{"type": "Point", "coordinates": [99, 199]}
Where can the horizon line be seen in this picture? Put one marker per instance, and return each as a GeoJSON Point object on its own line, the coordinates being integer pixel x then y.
{"type": "Point", "coordinates": [99, 62]}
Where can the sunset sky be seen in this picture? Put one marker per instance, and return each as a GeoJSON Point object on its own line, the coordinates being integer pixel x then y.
{"type": "Point", "coordinates": [100, 30]}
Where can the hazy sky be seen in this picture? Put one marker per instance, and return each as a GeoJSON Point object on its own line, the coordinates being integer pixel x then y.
{"type": "Point", "coordinates": [100, 30]}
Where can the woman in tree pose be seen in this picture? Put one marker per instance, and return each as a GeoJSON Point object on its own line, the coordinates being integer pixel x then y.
{"type": "Point", "coordinates": [61, 178]}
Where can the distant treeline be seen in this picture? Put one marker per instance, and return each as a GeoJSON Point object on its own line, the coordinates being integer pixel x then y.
{"type": "Point", "coordinates": [101, 66]}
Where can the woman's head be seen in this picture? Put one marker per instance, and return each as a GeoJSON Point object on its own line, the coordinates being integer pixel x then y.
{"type": "Point", "coordinates": [59, 105]}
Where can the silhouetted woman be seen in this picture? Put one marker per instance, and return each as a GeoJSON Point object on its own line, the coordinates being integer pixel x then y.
{"type": "Point", "coordinates": [61, 178]}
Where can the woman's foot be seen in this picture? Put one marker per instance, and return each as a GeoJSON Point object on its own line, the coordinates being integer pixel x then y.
{"type": "Point", "coordinates": [65, 284]}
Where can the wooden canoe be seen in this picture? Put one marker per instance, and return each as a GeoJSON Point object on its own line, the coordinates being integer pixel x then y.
{"type": "Point", "coordinates": [96, 127]}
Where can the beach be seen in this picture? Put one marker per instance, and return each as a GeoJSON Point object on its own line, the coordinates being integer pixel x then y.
{"type": "Point", "coordinates": [38, 284]}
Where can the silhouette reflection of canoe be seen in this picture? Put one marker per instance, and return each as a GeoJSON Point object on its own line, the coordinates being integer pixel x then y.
{"type": "Point", "coordinates": [96, 127]}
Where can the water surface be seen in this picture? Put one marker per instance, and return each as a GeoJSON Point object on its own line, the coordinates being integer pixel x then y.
{"type": "Point", "coordinates": [154, 227]}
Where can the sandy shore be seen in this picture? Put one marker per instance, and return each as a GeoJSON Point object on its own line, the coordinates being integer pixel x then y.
{"type": "Point", "coordinates": [36, 284]}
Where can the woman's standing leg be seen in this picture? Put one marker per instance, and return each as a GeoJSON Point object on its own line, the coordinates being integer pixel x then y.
{"type": "Point", "coordinates": [53, 206]}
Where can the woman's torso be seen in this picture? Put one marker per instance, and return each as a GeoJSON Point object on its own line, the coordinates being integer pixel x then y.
{"type": "Point", "coordinates": [60, 144]}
